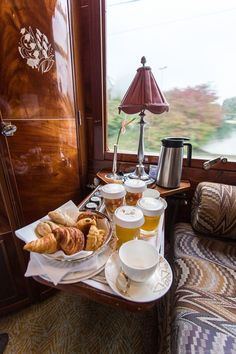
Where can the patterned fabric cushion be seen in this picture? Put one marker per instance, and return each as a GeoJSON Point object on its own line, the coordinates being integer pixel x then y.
{"type": "Point", "coordinates": [205, 294]}
{"type": "Point", "coordinates": [214, 209]}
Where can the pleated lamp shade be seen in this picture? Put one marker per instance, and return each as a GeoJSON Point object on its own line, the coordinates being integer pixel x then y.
{"type": "Point", "coordinates": [143, 94]}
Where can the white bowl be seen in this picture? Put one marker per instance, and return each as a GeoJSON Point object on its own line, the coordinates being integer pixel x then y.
{"type": "Point", "coordinates": [138, 259]}
{"type": "Point", "coordinates": [151, 193]}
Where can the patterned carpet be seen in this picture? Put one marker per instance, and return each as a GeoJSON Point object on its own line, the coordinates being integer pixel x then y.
{"type": "Point", "coordinates": [67, 324]}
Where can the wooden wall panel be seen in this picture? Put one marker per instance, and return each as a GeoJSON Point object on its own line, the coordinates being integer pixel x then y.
{"type": "Point", "coordinates": [12, 282]}
{"type": "Point", "coordinates": [45, 165]}
{"type": "Point", "coordinates": [38, 85]}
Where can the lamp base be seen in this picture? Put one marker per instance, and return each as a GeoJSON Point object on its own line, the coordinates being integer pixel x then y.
{"type": "Point", "coordinates": [139, 173]}
{"type": "Point", "coordinates": [114, 176]}
{"type": "Point", "coordinates": [120, 178]}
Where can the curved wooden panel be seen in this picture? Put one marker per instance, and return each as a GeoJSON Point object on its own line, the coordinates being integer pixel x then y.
{"type": "Point", "coordinates": [45, 165]}
{"type": "Point", "coordinates": [11, 276]}
{"type": "Point", "coordinates": [35, 61]}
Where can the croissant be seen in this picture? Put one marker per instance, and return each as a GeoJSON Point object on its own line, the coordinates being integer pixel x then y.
{"type": "Point", "coordinates": [45, 227]}
{"type": "Point", "coordinates": [61, 218]}
{"type": "Point", "coordinates": [45, 244]}
{"type": "Point", "coordinates": [70, 239]}
{"type": "Point", "coordinates": [95, 238]}
{"type": "Point", "coordinates": [84, 224]}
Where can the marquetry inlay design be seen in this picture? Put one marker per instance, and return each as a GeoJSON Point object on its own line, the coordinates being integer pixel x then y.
{"type": "Point", "coordinates": [36, 49]}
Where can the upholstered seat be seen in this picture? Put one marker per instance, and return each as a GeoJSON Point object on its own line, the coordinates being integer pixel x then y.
{"type": "Point", "coordinates": [205, 274]}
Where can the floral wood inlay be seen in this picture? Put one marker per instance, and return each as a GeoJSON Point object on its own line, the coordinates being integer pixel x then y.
{"type": "Point", "coordinates": [36, 49]}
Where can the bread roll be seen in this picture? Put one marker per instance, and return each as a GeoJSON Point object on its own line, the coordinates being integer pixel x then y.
{"type": "Point", "coordinates": [61, 218]}
{"type": "Point", "coordinates": [45, 227]}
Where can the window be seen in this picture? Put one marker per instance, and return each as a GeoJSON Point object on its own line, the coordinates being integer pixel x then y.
{"type": "Point", "coordinates": [189, 47]}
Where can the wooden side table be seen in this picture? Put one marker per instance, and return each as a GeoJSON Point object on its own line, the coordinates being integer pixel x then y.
{"type": "Point", "coordinates": [101, 296]}
{"type": "Point", "coordinates": [164, 192]}
{"type": "Point", "coordinates": [106, 297]}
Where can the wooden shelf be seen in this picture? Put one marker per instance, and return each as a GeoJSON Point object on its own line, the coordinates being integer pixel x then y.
{"type": "Point", "coordinates": [164, 192]}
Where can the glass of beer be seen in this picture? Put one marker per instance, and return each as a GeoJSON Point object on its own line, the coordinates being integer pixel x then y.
{"type": "Point", "coordinates": [128, 220]}
{"type": "Point", "coordinates": [134, 190]}
{"type": "Point", "coordinates": [113, 195]}
{"type": "Point", "coordinates": [152, 210]}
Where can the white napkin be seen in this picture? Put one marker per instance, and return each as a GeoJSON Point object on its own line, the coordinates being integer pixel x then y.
{"type": "Point", "coordinates": [56, 270]}
{"type": "Point", "coordinates": [28, 234]}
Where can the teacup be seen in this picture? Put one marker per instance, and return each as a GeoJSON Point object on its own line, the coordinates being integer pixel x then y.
{"type": "Point", "coordinates": [138, 259]}
{"type": "Point", "coordinates": [151, 193]}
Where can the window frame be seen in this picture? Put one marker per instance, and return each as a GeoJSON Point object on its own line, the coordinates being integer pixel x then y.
{"type": "Point", "coordinates": [97, 19]}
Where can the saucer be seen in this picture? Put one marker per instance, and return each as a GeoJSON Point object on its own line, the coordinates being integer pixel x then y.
{"type": "Point", "coordinates": [154, 288]}
{"type": "Point", "coordinates": [76, 276]}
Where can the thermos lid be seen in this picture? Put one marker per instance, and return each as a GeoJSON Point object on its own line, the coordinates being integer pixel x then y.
{"type": "Point", "coordinates": [173, 142]}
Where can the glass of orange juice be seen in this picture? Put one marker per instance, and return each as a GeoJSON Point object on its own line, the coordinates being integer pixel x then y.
{"type": "Point", "coordinates": [113, 195]}
{"type": "Point", "coordinates": [128, 220]}
{"type": "Point", "coordinates": [134, 190]}
{"type": "Point", "coordinates": [152, 210]}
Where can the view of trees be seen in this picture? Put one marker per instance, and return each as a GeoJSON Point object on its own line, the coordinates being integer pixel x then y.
{"type": "Point", "coordinates": [229, 108]}
{"type": "Point", "coordinates": [194, 113]}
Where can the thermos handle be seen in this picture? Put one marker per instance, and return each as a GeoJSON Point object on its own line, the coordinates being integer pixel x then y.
{"type": "Point", "coordinates": [189, 153]}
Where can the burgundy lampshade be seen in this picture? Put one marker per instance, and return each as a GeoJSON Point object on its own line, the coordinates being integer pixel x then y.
{"type": "Point", "coordinates": [144, 93]}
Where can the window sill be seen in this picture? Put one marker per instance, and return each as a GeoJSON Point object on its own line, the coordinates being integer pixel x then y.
{"type": "Point", "coordinates": [150, 159]}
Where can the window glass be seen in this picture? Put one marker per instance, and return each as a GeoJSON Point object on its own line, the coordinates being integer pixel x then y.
{"type": "Point", "coordinates": [190, 47]}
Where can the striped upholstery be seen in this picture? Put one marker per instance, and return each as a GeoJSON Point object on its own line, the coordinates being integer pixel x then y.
{"type": "Point", "coordinates": [214, 209]}
{"type": "Point", "coordinates": [204, 319]}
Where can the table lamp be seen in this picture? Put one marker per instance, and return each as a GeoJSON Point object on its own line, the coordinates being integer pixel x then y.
{"type": "Point", "coordinates": [143, 94]}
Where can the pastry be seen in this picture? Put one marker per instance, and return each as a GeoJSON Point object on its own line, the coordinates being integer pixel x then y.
{"type": "Point", "coordinates": [45, 244]}
{"type": "Point", "coordinates": [95, 238]}
{"type": "Point", "coordinates": [87, 214]}
{"type": "Point", "coordinates": [70, 239]}
{"type": "Point", "coordinates": [45, 227]}
{"type": "Point", "coordinates": [61, 218]}
{"type": "Point", "coordinates": [84, 224]}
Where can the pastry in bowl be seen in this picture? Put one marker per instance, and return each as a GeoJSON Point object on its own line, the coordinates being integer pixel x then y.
{"type": "Point", "coordinates": [85, 223]}
{"type": "Point", "coordinates": [46, 244]}
{"type": "Point", "coordinates": [45, 227]}
{"type": "Point", "coordinates": [87, 233]}
{"type": "Point", "coordinates": [70, 239]}
{"type": "Point", "coordinates": [95, 238]}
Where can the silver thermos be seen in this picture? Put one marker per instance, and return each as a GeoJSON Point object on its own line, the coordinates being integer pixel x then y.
{"type": "Point", "coordinates": [171, 161]}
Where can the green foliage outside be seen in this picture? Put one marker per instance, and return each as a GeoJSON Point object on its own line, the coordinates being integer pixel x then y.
{"type": "Point", "coordinates": [229, 108]}
{"type": "Point", "coordinates": [194, 113]}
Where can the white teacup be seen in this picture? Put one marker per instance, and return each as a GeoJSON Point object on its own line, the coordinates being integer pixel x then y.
{"type": "Point", "coordinates": [138, 259]}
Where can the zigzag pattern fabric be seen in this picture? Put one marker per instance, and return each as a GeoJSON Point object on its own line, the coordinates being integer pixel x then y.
{"type": "Point", "coordinates": [214, 209]}
{"type": "Point", "coordinates": [205, 294]}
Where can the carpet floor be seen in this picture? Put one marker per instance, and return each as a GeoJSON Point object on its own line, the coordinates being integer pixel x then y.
{"type": "Point", "coordinates": [67, 324]}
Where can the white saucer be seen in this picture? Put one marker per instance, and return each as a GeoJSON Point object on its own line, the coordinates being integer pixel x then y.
{"type": "Point", "coordinates": [153, 289]}
{"type": "Point", "coordinates": [75, 277]}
